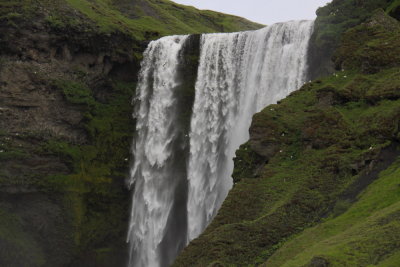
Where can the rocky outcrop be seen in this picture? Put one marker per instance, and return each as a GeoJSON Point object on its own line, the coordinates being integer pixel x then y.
{"type": "Point", "coordinates": [43, 113]}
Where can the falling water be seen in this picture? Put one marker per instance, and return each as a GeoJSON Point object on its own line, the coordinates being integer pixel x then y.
{"type": "Point", "coordinates": [181, 177]}
{"type": "Point", "coordinates": [239, 74]}
{"type": "Point", "coordinates": [155, 173]}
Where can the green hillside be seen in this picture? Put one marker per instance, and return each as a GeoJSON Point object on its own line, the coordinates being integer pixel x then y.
{"type": "Point", "coordinates": [143, 19]}
{"type": "Point", "coordinates": [318, 182]}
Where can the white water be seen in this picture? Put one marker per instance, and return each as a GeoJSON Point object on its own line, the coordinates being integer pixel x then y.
{"type": "Point", "coordinates": [238, 75]}
{"type": "Point", "coordinates": [151, 173]}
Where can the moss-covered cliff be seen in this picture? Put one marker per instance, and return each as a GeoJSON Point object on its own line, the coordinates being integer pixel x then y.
{"type": "Point", "coordinates": [318, 182]}
{"type": "Point", "coordinates": [67, 76]}
{"type": "Point", "coordinates": [332, 21]}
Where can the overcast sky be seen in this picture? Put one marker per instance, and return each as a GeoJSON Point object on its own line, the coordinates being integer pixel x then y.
{"type": "Point", "coordinates": [262, 11]}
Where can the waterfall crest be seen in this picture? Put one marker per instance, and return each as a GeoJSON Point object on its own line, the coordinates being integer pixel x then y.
{"type": "Point", "coordinates": [181, 175]}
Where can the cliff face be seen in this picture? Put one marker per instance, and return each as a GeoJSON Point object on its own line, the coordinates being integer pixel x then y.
{"type": "Point", "coordinates": [68, 72]}
{"type": "Point", "coordinates": [332, 21]}
{"type": "Point", "coordinates": [317, 183]}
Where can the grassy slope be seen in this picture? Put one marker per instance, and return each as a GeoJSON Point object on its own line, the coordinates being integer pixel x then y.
{"type": "Point", "coordinates": [303, 206]}
{"type": "Point", "coordinates": [146, 19]}
{"type": "Point", "coordinates": [156, 17]}
{"type": "Point", "coordinates": [368, 233]}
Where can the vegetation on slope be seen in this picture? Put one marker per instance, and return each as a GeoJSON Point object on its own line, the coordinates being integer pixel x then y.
{"type": "Point", "coordinates": [67, 194]}
{"type": "Point", "coordinates": [363, 233]}
{"type": "Point", "coordinates": [154, 18]}
{"type": "Point", "coordinates": [332, 21]}
{"type": "Point", "coordinates": [309, 183]}
{"type": "Point", "coordinates": [142, 19]}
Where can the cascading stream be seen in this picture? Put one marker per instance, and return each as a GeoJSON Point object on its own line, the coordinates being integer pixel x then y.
{"type": "Point", "coordinates": [181, 176]}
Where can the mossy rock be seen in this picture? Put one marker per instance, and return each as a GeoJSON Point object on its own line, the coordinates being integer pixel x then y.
{"type": "Point", "coordinates": [371, 46]}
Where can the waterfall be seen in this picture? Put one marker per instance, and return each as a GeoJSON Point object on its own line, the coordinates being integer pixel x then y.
{"type": "Point", "coordinates": [155, 173]}
{"type": "Point", "coordinates": [181, 174]}
{"type": "Point", "coordinates": [239, 74]}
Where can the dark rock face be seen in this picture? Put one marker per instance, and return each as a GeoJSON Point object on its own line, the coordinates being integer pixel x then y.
{"type": "Point", "coordinates": [265, 141]}
{"type": "Point", "coordinates": [56, 223]}
{"type": "Point", "coordinates": [319, 262]}
{"type": "Point", "coordinates": [175, 234]}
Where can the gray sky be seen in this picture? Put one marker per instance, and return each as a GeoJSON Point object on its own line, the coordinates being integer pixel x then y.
{"type": "Point", "coordinates": [262, 11]}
